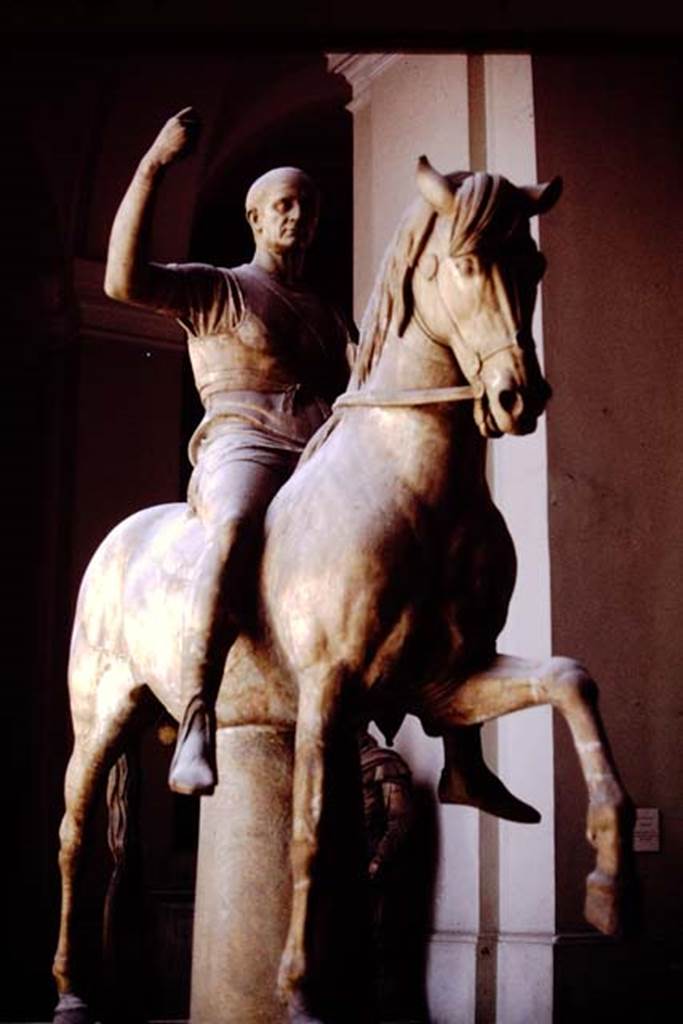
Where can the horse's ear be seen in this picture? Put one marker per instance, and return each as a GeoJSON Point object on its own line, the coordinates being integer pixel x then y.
{"type": "Point", "coordinates": [543, 197]}
{"type": "Point", "coordinates": [434, 187]}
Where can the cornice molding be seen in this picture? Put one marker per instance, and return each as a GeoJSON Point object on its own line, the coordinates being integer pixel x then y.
{"type": "Point", "coordinates": [360, 70]}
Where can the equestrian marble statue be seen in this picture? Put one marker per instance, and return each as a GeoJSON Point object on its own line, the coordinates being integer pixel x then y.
{"type": "Point", "coordinates": [382, 570]}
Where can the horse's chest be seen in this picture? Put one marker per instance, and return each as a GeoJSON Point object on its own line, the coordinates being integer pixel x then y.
{"type": "Point", "coordinates": [445, 599]}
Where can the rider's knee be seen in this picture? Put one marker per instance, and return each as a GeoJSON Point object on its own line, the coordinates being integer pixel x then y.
{"type": "Point", "coordinates": [230, 532]}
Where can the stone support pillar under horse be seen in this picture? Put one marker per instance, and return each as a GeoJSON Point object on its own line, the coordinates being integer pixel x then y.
{"type": "Point", "coordinates": [243, 896]}
{"type": "Point", "coordinates": [243, 888]}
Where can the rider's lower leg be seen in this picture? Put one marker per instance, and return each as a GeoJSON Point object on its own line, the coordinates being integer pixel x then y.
{"type": "Point", "coordinates": [210, 627]}
{"type": "Point", "coordinates": [467, 779]}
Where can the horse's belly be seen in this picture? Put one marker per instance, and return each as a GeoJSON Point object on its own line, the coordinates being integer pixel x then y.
{"type": "Point", "coordinates": [255, 690]}
{"type": "Point", "coordinates": [480, 570]}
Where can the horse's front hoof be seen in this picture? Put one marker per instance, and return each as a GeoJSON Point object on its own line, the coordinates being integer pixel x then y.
{"type": "Point", "coordinates": [602, 908]}
{"type": "Point", "coordinates": [298, 1011]}
{"type": "Point", "coordinates": [71, 1010]}
{"type": "Point", "coordinates": [289, 978]}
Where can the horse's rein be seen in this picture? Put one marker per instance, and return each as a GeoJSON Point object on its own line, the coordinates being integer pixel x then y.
{"type": "Point", "coordinates": [410, 396]}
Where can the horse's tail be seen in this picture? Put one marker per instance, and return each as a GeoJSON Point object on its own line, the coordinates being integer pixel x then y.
{"type": "Point", "coordinates": [122, 931]}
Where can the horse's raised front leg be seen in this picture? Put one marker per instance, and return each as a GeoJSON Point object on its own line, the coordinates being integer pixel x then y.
{"type": "Point", "coordinates": [510, 684]}
{"type": "Point", "coordinates": [319, 692]}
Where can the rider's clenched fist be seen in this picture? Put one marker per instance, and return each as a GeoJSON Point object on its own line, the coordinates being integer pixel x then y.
{"type": "Point", "coordinates": [176, 139]}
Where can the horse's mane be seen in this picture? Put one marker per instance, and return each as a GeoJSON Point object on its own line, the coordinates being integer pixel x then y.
{"type": "Point", "coordinates": [390, 298]}
{"type": "Point", "coordinates": [484, 211]}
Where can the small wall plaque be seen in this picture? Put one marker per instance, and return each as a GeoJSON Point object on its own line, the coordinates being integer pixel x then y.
{"type": "Point", "coordinates": [646, 832]}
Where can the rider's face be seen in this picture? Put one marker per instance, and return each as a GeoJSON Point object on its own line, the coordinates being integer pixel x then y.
{"type": "Point", "coordinates": [285, 217]}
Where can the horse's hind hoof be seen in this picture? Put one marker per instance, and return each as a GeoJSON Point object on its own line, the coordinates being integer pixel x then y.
{"type": "Point", "coordinates": [602, 908]}
{"type": "Point", "coordinates": [71, 1010]}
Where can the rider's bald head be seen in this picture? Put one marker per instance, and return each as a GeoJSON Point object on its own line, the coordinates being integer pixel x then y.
{"type": "Point", "coordinates": [281, 177]}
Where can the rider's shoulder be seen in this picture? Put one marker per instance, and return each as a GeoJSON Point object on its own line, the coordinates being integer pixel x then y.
{"type": "Point", "coordinates": [193, 268]}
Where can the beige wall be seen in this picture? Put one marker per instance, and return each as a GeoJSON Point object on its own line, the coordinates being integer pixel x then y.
{"type": "Point", "coordinates": [612, 310]}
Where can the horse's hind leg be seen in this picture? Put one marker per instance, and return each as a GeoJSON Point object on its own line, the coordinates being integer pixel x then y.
{"type": "Point", "coordinates": [510, 684]}
{"type": "Point", "coordinates": [122, 937]}
{"type": "Point", "coordinates": [103, 713]}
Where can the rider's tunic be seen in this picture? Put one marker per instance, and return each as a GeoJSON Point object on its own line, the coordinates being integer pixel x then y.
{"type": "Point", "coordinates": [267, 360]}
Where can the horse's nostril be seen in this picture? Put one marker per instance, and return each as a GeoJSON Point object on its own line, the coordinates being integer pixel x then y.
{"type": "Point", "coordinates": [508, 399]}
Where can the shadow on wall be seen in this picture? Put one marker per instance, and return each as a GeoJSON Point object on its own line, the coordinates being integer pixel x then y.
{"type": "Point", "coordinates": [408, 916]}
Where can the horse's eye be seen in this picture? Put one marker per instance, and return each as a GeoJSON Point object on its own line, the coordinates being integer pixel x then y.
{"type": "Point", "coordinates": [467, 266]}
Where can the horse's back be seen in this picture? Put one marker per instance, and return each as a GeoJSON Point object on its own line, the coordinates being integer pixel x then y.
{"type": "Point", "coordinates": [131, 611]}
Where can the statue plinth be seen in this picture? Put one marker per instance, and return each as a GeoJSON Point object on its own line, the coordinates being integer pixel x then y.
{"type": "Point", "coordinates": [243, 890]}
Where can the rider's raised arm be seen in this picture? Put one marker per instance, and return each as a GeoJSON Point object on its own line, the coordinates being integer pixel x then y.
{"type": "Point", "coordinates": [129, 275]}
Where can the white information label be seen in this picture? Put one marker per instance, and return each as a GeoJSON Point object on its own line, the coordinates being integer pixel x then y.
{"type": "Point", "coordinates": [646, 832]}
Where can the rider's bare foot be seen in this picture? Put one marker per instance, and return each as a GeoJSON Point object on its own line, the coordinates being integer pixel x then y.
{"type": "Point", "coordinates": [193, 769]}
{"type": "Point", "coordinates": [485, 790]}
{"type": "Point", "coordinates": [467, 779]}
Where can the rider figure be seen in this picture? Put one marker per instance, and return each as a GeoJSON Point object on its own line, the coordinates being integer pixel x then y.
{"type": "Point", "coordinates": [268, 358]}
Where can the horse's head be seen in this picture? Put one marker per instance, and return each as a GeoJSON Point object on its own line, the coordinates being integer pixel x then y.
{"type": "Point", "coordinates": [474, 289]}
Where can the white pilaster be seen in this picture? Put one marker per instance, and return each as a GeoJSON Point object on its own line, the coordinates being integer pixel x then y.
{"type": "Point", "coordinates": [526, 855]}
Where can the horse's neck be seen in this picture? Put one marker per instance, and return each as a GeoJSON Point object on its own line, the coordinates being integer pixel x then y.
{"type": "Point", "coordinates": [435, 449]}
{"type": "Point", "coordinates": [414, 361]}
